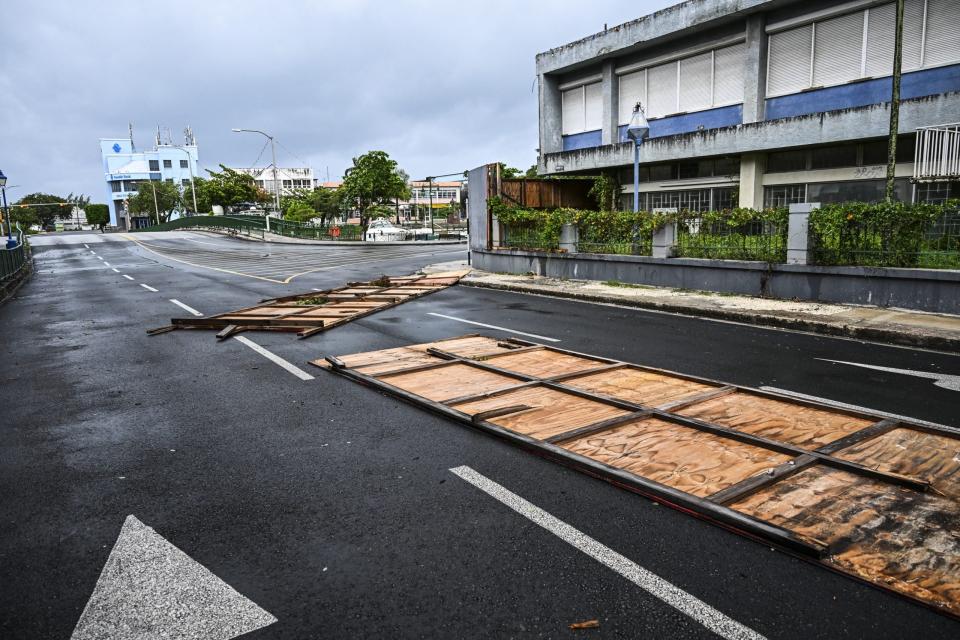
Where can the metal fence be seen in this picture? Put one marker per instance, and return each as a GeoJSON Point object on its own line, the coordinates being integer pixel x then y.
{"type": "Point", "coordinates": [701, 237]}
{"type": "Point", "coordinates": [934, 245]}
{"type": "Point", "coordinates": [14, 260]}
{"type": "Point", "coordinates": [530, 237]}
{"type": "Point", "coordinates": [593, 239]}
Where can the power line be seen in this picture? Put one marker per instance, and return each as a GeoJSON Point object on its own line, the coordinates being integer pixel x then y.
{"type": "Point", "coordinates": [262, 149]}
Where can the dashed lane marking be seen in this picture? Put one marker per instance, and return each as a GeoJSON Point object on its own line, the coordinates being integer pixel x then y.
{"type": "Point", "coordinates": [185, 307]}
{"type": "Point", "coordinates": [106, 264]}
{"type": "Point", "coordinates": [493, 326]}
{"type": "Point", "coordinates": [148, 287]}
{"type": "Point", "coordinates": [127, 277]}
{"type": "Point", "coordinates": [115, 269]}
{"type": "Point", "coordinates": [653, 584]}
{"type": "Point", "coordinates": [295, 370]}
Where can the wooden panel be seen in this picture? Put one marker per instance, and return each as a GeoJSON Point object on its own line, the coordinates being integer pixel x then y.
{"type": "Point", "coordinates": [452, 381]}
{"type": "Point", "coordinates": [551, 412]}
{"type": "Point", "coordinates": [542, 363]}
{"type": "Point", "coordinates": [789, 422]}
{"type": "Point", "coordinates": [262, 311]}
{"type": "Point", "coordinates": [693, 461]}
{"type": "Point", "coordinates": [916, 454]}
{"type": "Point", "coordinates": [642, 387]}
{"type": "Point", "coordinates": [470, 347]}
{"type": "Point", "coordinates": [904, 540]}
{"type": "Point", "coordinates": [372, 362]}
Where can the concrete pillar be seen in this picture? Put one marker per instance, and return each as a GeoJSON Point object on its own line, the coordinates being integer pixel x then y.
{"type": "Point", "coordinates": [569, 237]}
{"type": "Point", "coordinates": [751, 180]}
{"type": "Point", "coordinates": [798, 232]}
{"type": "Point", "coordinates": [610, 94]}
{"type": "Point", "coordinates": [550, 119]}
{"type": "Point", "coordinates": [665, 240]}
{"type": "Point", "coordinates": [755, 68]}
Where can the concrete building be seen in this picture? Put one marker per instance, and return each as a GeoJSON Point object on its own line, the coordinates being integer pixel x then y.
{"type": "Point", "coordinates": [125, 168]}
{"type": "Point", "coordinates": [291, 179]}
{"type": "Point", "coordinates": [753, 102]}
{"type": "Point", "coordinates": [444, 194]}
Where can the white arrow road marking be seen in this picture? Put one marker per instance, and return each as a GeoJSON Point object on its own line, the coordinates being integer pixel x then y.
{"type": "Point", "coordinates": [150, 589]}
{"type": "Point", "coordinates": [944, 380]}
{"type": "Point", "coordinates": [651, 583]}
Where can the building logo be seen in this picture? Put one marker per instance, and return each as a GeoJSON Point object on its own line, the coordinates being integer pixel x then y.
{"type": "Point", "coordinates": [116, 147]}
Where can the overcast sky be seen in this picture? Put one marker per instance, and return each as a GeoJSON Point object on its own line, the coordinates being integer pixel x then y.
{"type": "Point", "coordinates": [440, 86]}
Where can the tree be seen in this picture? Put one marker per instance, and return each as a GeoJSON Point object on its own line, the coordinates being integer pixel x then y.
{"type": "Point", "coordinates": [156, 198]}
{"type": "Point", "coordinates": [299, 211]}
{"type": "Point", "coordinates": [373, 179]}
{"type": "Point", "coordinates": [532, 172]}
{"type": "Point", "coordinates": [51, 207]}
{"type": "Point", "coordinates": [98, 215]}
{"type": "Point", "coordinates": [227, 188]}
{"type": "Point", "coordinates": [326, 202]}
{"type": "Point", "coordinates": [508, 173]}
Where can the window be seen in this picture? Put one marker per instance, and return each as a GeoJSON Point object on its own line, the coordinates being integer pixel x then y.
{"type": "Point", "coordinates": [860, 45]}
{"type": "Point", "coordinates": [786, 161]}
{"type": "Point", "coordinates": [714, 199]}
{"type": "Point", "coordinates": [116, 186]}
{"type": "Point", "coordinates": [875, 152]}
{"type": "Point", "coordinates": [783, 195]}
{"type": "Point", "coordinates": [695, 83]}
{"type": "Point", "coordinates": [857, 190]}
{"type": "Point", "coordinates": [184, 183]}
{"type": "Point", "coordinates": [581, 109]}
{"type": "Point", "coordinates": [170, 180]}
{"type": "Point", "coordinates": [132, 186]}
{"type": "Point", "coordinates": [154, 165]}
{"type": "Point", "coordinates": [833, 156]}
{"type": "Point", "coordinates": [937, 192]}
{"type": "Point", "coordinates": [184, 164]}
{"type": "Point", "coordinates": [167, 164]}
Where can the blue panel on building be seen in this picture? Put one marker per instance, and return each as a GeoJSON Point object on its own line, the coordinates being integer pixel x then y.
{"type": "Point", "coordinates": [583, 140]}
{"type": "Point", "coordinates": [915, 84]}
{"type": "Point", "coordinates": [709, 119]}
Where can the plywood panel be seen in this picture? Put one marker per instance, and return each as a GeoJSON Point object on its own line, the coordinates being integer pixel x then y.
{"type": "Point", "coordinates": [451, 381]}
{"type": "Point", "coordinates": [789, 422]}
{"type": "Point", "coordinates": [693, 461]}
{"type": "Point", "coordinates": [551, 412]}
{"type": "Point", "coordinates": [543, 363]}
{"type": "Point", "coordinates": [916, 454]}
{"type": "Point", "coordinates": [905, 540]}
{"type": "Point", "coordinates": [372, 362]}
{"type": "Point", "coordinates": [642, 387]}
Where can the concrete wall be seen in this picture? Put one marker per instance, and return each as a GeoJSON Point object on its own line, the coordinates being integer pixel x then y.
{"type": "Point", "coordinates": [921, 289]}
{"type": "Point", "coordinates": [477, 216]}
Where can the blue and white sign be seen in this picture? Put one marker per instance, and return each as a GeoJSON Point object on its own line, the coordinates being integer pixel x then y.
{"type": "Point", "coordinates": [116, 147]}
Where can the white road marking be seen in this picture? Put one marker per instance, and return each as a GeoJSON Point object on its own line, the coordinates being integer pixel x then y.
{"type": "Point", "coordinates": [148, 287]}
{"type": "Point", "coordinates": [185, 307]}
{"type": "Point", "coordinates": [944, 380]}
{"type": "Point", "coordinates": [100, 257]}
{"type": "Point", "coordinates": [300, 373]}
{"type": "Point", "coordinates": [127, 277]}
{"type": "Point", "coordinates": [149, 588]}
{"type": "Point", "coordinates": [86, 245]}
{"type": "Point", "coordinates": [493, 326]}
{"type": "Point", "coordinates": [649, 582]}
{"type": "Point", "coordinates": [115, 269]}
{"type": "Point", "coordinates": [93, 252]}
{"type": "Point", "coordinates": [106, 263]}
{"type": "Point", "coordinates": [855, 407]}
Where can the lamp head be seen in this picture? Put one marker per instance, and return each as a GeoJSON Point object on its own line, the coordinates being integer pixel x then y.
{"type": "Point", "coordinates": [3, 179]}
{"type": "Point", "coordinates": [639, 128]}
{"type": "Point", "coordinates": [236, 130]}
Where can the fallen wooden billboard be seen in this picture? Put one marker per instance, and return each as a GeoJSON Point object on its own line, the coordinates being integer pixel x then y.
{"type": "Point", "coordinates": [872, 497]}
{"type": "Point", "coordinates": [310, 313]}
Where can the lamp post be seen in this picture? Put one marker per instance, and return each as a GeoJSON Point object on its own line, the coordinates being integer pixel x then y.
{"type": "Point", "coordinates": [273, 153]}
{"type": "Point", "coordinates": [156, 207]}
{"type": "Point", "coordinates": [430, 193]}
{"type": "Point", "coordinates": [11, 243]}
{"type": "Point", "coordinates": [637, 130]}
{"type": "Point", "coordinates": [190, 168]}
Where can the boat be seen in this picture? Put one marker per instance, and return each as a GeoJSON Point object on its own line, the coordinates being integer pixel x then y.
{"type": "Point", "coordinates": [382, 230]}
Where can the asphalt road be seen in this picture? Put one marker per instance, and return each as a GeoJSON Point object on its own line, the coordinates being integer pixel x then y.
{"type": "Point", "coordinates": [332, 506]}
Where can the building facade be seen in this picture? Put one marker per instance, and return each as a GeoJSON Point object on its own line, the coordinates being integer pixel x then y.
{"type": "Point", "coordinates": [422, 192]}
{"type": "Point", "coordinates": [291, 179]}
{"type": "Point", "coordinates": [125, 169]}
{"type": "Point", "coordinates": [753, 103]}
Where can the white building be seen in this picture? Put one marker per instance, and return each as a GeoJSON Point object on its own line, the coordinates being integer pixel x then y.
{"type": "Point", "coordinates": [291, 179]}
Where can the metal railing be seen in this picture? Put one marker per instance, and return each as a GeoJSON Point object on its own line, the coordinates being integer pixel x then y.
{"type": "Point", "coordinates": [934, 245]}
{"type": "Point", "coordinates": [15, 259]}
{"type": "Point", "coordinates": [531, 238]}
{"type": "Point", "coordinates": [597, 239]}
{"type": "Point", "coordinates": [763, 240]}
{"type": "Point", "coordinates": [237, 226]}
{"type": "Point", "coordinates": [937, 153]}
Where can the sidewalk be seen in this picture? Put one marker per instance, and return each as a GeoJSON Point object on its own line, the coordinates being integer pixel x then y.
{"type": "Point", "coordinates": [278, 239]}
{"type": "Point", "coordinates": [894, 326]}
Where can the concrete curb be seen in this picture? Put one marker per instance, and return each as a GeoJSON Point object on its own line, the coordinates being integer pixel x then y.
{"type": "Point", "coordinates": [873, 334]}
{"type": "Point", "coordinates": [335, 243]}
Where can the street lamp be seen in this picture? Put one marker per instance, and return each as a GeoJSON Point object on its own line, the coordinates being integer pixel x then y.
{"type": "Point", "coordinates": [11, 243]}
{"type": "Point", "coordinates": [273, 153]}
{"type": "Point", "coordinates": [190, 168]}
{"type": "Point", "coordinates": [637, 130]}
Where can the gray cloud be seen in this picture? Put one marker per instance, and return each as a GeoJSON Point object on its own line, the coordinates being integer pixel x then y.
{"type": "Point", "coordinates": [440, 86]}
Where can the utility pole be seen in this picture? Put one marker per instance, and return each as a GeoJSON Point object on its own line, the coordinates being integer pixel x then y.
{"type": "Point", "coordinates": [156, 207]}
{"type": "Point", "coordinates": [430, 181]}
{"type": "Point", "coordinates": [895, 103]}
{"type": "Point", "coordinates": [273, 154]}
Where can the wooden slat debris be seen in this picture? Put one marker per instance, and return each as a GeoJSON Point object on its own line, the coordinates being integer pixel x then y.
{"type": "Point", "coordinates": [310, 313]}
{"type": "Point", "coordinates": [877, 499]}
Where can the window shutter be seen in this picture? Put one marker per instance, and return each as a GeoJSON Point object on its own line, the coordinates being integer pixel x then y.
{"type": "Point", "coordinates": [789, 60]}
{"type": "Point", "coordinates": [593, 110]}
{"type": "Point", "coordinates": [632, 90]}
{"type": "Point", "coordinates": [571, 111]}
{"type": "Point", "coordinates": [838, 50]}
{"type": "Point", "coordinates": [880, 26]}
{"type": "Point", "coordinates": [943, 33]}
{"type": "Point", "coordinates": [695, 82]}
{"type": "Point", "coordinates": [662, 90]}
{"type": "Point", "coordinates": [728, 75]}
